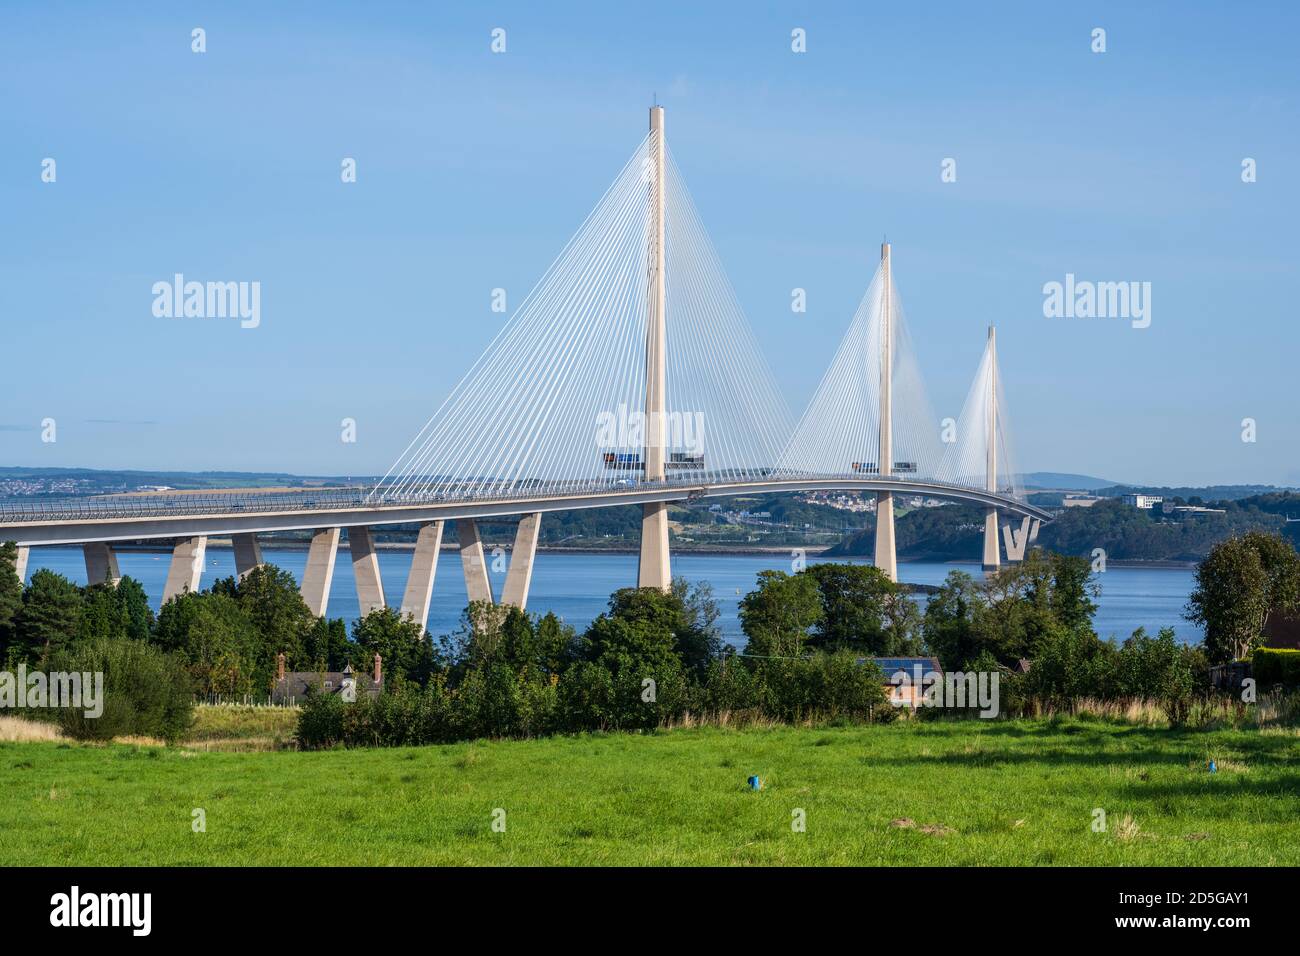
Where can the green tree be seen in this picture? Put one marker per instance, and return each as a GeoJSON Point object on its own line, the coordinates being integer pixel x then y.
{"type": "Point", "coordinates": [212, 635]}
{"type": "Point", "coordinates": [1072, 589]}
{"type": "Point", "coordinates": [270, 598]}
{"type": "Point", "coordinates": [50, 617]}
{"type": "Point", "coordinates": [327, 647]}
{"type": "Point", "coordinates": [855, 599]}
{"type": "Point", "coordinates": [631, 672]}
{"type": "Point", "coordinates": [103, 616]}
{"type": "Point", "coordinates": [951, 631]}
{"type": "Point", "coordinates": [116, 611]}
{"type": "Point", "coordinates": [139, 616]}
{"type": "Point", "coordinates": [1239, 584]}
{"type": "Point", "coordinates": [403, 647]}
{"type": "Point", "coordinates": [778, 615]}
{"type": "Point", "coordinates": [687, 615]}
{"type": "Point", "coordinates": [11, 596]}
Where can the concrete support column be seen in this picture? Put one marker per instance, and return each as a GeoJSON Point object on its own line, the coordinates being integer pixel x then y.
{"type": "Point", "coordinates": [101, 563]}
{"type": "Point", "coordinates": [186, 568]}
{"type": "Point", "coordinates": [477, 584]}
{"type": "Point", "coordinates": [316, 578]}
{"type": "Point", "coordinates": [419, 582]}
{"type": "Point", "coordinates": [248, 553]}
{"type": "Point", "coordinates": [886, 556]}
{"type": "Point", "coordinates": [653, 569]}
{"type": "Point", "coordinates": [991, 556]}
{"type": "Point", "coordinates": [1015, 540]}
{"type": "Point", "coordinates": [1033, 530]}
{"type": "Point", "coordinates": [365, 569]}
{"type": "Point", "coordinates": [20, 566]}
{"type": "Point", "coordinates": [520, 574]}
{"type": "Point", "coordinates": [992, 553]}
{"type": "Point", "coordinates": [886, 553]}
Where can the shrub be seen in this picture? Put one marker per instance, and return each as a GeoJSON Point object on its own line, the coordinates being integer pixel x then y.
{"type": "Point", "coordinates": [146, 691]}
{"type": "Point", "coordinates": [1071, 665]}
{"type": "Point", "coordinates": [496, 701]}
{"type": "Point", "coordinates": [824, 686]}
{"type": "Point", "coordinates": [320, 721]}
{"type": "Point", "coordinates": [1271, 666]}
{"type": "Point", "coordinates": [729, 686]}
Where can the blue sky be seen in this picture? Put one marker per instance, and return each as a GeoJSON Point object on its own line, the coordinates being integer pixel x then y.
{"type": "Point", "coordinates": [474, 169]}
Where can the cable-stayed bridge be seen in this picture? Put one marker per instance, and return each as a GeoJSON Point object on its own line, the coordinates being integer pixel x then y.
{"type": "Point", "coordinates": [629, 375]}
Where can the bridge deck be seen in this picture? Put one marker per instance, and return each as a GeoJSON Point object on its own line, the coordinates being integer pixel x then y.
{"type": "Point", "coordinates": [165, 515]}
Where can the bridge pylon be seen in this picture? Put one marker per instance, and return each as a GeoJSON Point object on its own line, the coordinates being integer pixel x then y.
{"type": "Point", "coordinates": [992, 556]}
{"type": "Point", "coordinates": [886, 555]}
{"type": "Point", "coordinates": [653, 569]}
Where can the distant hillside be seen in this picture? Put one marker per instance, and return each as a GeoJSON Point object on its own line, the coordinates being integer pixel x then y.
{"type": "Point", "coordinates": [1056, 479]}
{"type": "Point", "coordinates": [1205, 494]}
{"type": "Point", "coordinates": [55, 482]}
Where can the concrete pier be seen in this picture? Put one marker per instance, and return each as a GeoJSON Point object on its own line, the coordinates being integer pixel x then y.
{"type": "Point", "coordinates": [20, 566]}
{"type": "Point", "coordinates": [365, 569]}
{"type": "Point", "coordinates": [248, 553]}
{"type": "Point", "coordinates": [101, 563]}
{"type": "Point", "coordinates": [478, 586]}
{"type": "Point", "coordinates": [424, 566]}
{"type": "Point", "coordinates": [520, 574]}
{"type": "Point", "coordinates": [319, 573]}
{"type": "Point", "coordinates": [186, 569]}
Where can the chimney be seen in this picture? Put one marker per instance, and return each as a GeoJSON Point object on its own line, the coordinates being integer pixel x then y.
{"type": "Point", "coordinates": [279, 668]}
{"type": "Point", "coordinates": [379, 669]}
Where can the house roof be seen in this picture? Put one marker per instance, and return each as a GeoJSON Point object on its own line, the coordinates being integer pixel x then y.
{"type": "Point", "coordinates": [892, 665]}
{"type": "Point", "coordinates": [1282, 630]}
{"type": "Point", "coordinates": [302, 683]}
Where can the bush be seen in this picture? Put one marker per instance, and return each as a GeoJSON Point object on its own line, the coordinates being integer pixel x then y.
{"type": "Point", "coordinates": [729, 687]}
{"type": "Point", "coordinates": [621, 692]}
{"type": "Point", "coordinates": [495, 701]}
{"type": "Point", "coordinates": [824, 686]}
{"type": "Point", "coordinates": [1271, 666]}
{"type": "Point", "coordinates": [146, 692]}
{"type": "Point", "coordinates": [1071, 664]}
{"type": "Point", "coordinates": [320, 721]}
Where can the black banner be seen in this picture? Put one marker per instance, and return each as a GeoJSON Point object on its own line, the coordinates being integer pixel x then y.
{"type": "Point", "coordinates": [187, 905]}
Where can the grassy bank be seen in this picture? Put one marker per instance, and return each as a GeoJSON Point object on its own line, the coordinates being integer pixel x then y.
{"type": "Point", "coordinates": [915, 793]}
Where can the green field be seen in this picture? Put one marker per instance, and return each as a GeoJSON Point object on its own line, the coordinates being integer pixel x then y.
{"type": "Point", "coordinates": [1008, 792]}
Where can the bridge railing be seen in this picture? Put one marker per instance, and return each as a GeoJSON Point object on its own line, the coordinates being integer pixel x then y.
{"type": "Point", "coordinates": [163, 505]}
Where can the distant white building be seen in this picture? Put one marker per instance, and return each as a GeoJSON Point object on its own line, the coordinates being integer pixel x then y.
{"type": "Point", "coordinates": [1080, 501]}
{"type": "Point", "coordinates": [1145, 502]}
{"type": "Point", "coordinates": [1170, 508]}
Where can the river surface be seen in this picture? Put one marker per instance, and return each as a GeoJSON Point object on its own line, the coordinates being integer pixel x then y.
{"type": "Point", "coordinates": [577, 586]}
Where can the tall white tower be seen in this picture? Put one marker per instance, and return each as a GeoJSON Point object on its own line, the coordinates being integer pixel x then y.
{"type": "Point", "coordinates": [653, 568]}
{"type": "Point", "coordinates": [886, 557]}
{"type": "Point", "coordinates": [991, 552]}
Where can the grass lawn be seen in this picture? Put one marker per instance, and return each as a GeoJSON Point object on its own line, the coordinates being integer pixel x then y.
{"type": "Point", "coordinates": [1018, 792]}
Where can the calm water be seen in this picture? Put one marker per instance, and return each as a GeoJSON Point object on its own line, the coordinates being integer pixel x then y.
{"type": "Point", "coordinates": [577, 586]}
